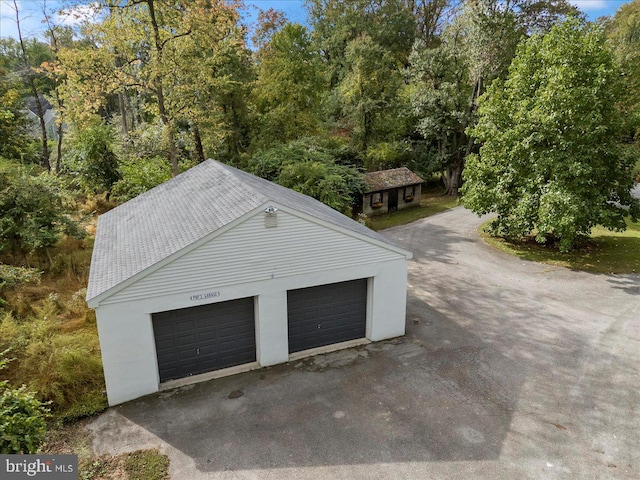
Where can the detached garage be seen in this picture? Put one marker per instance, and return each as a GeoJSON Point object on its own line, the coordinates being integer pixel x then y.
{"type": "Point", "coordinates": [217, 271]}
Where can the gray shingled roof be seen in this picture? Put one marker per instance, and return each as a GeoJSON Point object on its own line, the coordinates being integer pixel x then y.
{"type": "Point", "coordinates": [387, 179]}
{"type": "Point", "coordinates": [149, 228]}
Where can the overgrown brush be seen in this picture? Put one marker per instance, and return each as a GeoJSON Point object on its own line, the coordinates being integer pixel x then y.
{"type": "Point", "coordinates": [64, 367]}
{"type": "Point", "coordinates": [51, 332]}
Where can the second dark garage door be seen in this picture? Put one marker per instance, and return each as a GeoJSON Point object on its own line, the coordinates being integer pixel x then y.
{"type": "Point", "coordinates": [200, 339]}
{"type": "Point", "coordinates": [327, 314]}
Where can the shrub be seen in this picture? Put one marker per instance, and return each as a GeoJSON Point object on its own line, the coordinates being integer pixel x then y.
{"type": "Point", "coordinates": [22, 419]}
{"type": "Point", "coordinates": [92, 156]}
{"type": "Point", "coordinates": [309, 168]}
{"type": "Point", "coordinates": [138, 176]}
{"type": "Point", "coordinates": [11, 276]}
{"type": "Point", "coordinates": [334, 185]}
{"type": "Point", "coordinates": [34, 212]}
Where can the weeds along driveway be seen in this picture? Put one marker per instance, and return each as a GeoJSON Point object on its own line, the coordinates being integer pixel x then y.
{"type": "Point", "coordinates": [509, 369]}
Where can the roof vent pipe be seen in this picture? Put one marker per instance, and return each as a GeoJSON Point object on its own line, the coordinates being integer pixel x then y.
{"type": "Point", "coordinates": [270, 217]}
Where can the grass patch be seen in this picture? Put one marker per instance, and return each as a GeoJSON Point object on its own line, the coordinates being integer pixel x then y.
{"type": "Point", "coordinates": [606, 251]}
{"type": "Point", "coordinates": [431, 202]}
{"type": "Point", "coordinates": [147, 465]}
{"type": "Point", "coordinates": [73, 438]}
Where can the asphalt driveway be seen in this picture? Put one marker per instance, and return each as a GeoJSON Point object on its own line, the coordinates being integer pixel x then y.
{"type": "Point", "coordinates": [509, 369]}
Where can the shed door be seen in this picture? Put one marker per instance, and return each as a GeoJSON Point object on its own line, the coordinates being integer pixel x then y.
{"type": "Point", "coordinates": [393, 200]}
{"type": "Point", "coordinates": [200, 339]}
{"type": "Point", "coordinates": [327, 314]}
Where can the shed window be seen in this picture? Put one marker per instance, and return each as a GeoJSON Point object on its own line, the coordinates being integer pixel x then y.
{"type": "Point", "coordinates": [409, 193]}
{"type": "Point", "coordinates": [376, 200]}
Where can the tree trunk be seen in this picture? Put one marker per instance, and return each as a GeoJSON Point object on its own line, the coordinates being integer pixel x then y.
{"type": "Point", "coordinates": [198, 142]}
{"type": "Point", "coordinates": [366, 124]}
{"type": "Point", "coordinates": [123, 113]}
{"type": "Point", "coordinates": [168, 124]}
{"type": "Point", "coordinates": [173, 149]}
{"type": "Point", "coordinates": [57, 81]}
{"type": "Point", "coordinates": [453, 178]}
{"type": "Point", "coordinates": [128, 107]}
{"type": "Point", "coordinates": [59, 150]}
{"type": "Point", "coordinates": [44, 154]}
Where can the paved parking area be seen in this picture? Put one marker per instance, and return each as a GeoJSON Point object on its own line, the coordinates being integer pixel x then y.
{"type": "Point", "coordinates": [509, 369]}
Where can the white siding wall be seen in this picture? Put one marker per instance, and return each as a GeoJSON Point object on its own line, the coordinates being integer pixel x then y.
{"type": "Point", "coordinates": [250, 252]}
{"type": "Point", "coordinates": [258, 262]}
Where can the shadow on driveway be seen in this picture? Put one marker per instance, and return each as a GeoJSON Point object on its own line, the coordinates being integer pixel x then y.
{"type": "Point", "coordinates": [627, 283]}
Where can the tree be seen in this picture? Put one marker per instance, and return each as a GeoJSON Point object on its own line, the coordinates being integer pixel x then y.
{"type": "Point", "coordinates": [31, 56]}
{"type": "Point", "coordinates": [93, 157]}
{"type": "Point", "coordinates": [368, 91]}
{"type": "Point", "coordinates": [389, 23]}
{"type": "Point", "coordinates": [364, 46]}
{"type": "Point", "coordinates": [184, 62]}
{"type": "Point", "coordinates": [430, 18]}
{"type": "Point", "coordinates": [288, 88]}
{"type": "Point", "coordinates": [57, 36]}
{"type": "Point", "coordinates": [268, 22]}
{"type": "Point", "coordinates": [442, 97]}
{"type": "Point", "coordinates": [551, 161]}
{"type": "Point", "coordinates": [623, 32]}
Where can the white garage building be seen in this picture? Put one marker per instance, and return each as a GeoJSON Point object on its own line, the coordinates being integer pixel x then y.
{"type": "Point", "coordinates": [217, 271]}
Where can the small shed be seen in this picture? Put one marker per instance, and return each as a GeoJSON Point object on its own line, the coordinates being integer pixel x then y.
{"type": "Point", "coordinates": [390, 190]}
{"type": "Point", "coordinates": [217, 271]}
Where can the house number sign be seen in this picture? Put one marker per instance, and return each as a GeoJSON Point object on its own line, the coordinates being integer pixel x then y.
{"type": "Point", "coordinates": [204, 296]}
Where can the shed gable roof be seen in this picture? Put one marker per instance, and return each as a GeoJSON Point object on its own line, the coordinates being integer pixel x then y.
{"type": "Point", "coordinates": [159, 223]}
{"type": "Point", "coordinates": [387, 179]}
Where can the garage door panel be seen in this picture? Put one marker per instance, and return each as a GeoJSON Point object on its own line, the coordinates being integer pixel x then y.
{"type": "Point", "coordinates": [205, 338]}
{"type": "Point", "coordinates": [326, 314]}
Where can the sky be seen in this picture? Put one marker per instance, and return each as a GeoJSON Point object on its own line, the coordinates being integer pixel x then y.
{"type": "Point", "coordinates": [31, 12]}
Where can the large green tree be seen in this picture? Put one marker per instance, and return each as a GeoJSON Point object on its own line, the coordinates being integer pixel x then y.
{"type": "Point", "coordinates": [448, 75]}
{"type": "Point", "coordinates": [182, 62]}
{"type": "Point", "coordinates": [368, 93]}
{"type": "Point", "coordinates": [551, 161]}
{"type": "Point", "coordinates": [442, 97]}
{"type": "Point", "coordinates": [623, 32]}
{"type": "Point", "coordinates": [391, 24]}
{"type": "Point", "coordinates": [364, 46]}
{"type": "Point", "coordinates": [288, 88]}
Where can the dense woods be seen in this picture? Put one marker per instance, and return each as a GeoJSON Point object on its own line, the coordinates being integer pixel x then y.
{"type": "Point", "coordinates": [145, 89]}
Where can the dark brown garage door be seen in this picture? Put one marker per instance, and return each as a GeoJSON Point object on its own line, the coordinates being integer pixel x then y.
{"type": "Point", "coordinates": [200, 339]}
{"type": "Point", "coordinates": [327, 314]}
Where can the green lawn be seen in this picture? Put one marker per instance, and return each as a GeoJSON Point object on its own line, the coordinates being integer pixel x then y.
{"type": "Point", "coordinates": [431, 202]}
{"type": "Point", "coordinates": [607, 252]}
